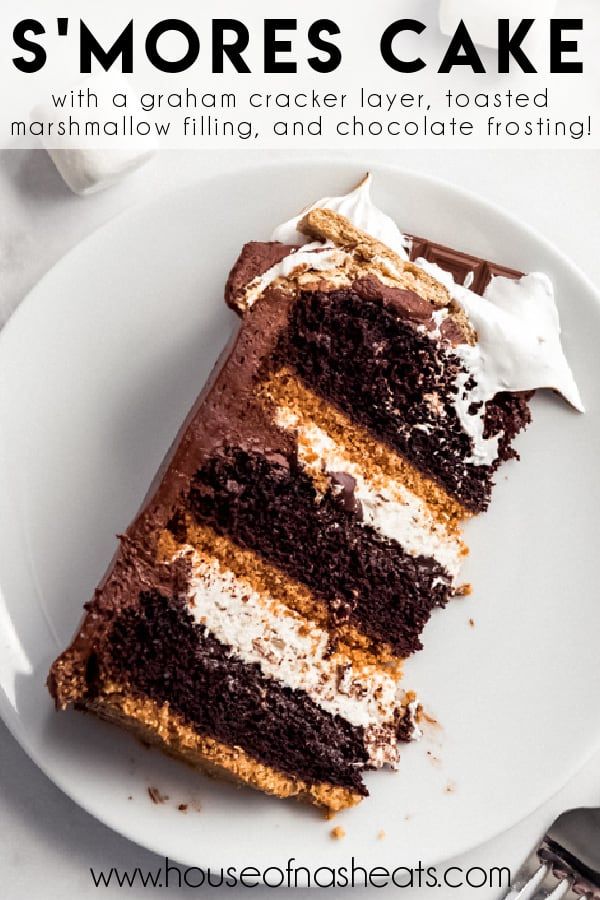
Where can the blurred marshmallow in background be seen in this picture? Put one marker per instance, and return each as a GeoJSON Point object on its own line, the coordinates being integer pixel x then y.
{"type": "Point", "coordinates": [87, 171]}
{"type": "Point", "coordinates": [85, 166]}
{"type": "Point", "coordinates": [481, 16]}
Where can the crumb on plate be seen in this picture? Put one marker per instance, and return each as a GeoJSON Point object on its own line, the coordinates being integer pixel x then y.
{"type": "Point", "coordinates": [156, 796]}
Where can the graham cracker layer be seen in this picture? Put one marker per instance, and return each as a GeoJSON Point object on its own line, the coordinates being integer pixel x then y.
{"type": "Point", "coordinates": [156, 724]}
{"type": "Point", "coordinates": [347, 641]}
{"type": "Point", "coordinates": [284, 389]}
{"type": "Point", "coordinates": [66, 680]}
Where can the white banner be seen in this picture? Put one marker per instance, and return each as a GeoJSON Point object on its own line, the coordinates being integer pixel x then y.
{"type": "Point", "coordinates": [327, 74]}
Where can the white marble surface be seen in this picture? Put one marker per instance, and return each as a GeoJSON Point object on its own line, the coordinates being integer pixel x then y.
{"type": "Point", "coordinates": [48, 844]}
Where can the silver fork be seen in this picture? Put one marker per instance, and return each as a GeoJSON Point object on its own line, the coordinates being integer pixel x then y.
{"type": "Point", "coordinates": [566, 865]}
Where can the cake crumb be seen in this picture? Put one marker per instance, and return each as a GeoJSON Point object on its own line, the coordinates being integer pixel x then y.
{"type": "Point", "coordinates": [450, 788]}
{"type": "Point", "coordinates": [156, 796]}
{"type": "Point", "coordinates": [183, 807]}
{"type": "Point", "coordinates": [130, 797]}
{"type": "Point", "coordinates": [472, 623]}
{"type": "Point", "coordinates": [381, 835]}
{"type": "Point", "coordinates": [408, 817]}
{"type": "Point", "coordinates": [423, 716]}
{"type": "Point", "coordinates": [434, 760]}
{"type": "Point", "coordinates": [337, 833]}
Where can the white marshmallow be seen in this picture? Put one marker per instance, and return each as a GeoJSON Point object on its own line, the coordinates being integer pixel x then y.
{"type": "Point", "coordinates": [86, 170]}
{"type": "Point", "coordinates": [84, 164]}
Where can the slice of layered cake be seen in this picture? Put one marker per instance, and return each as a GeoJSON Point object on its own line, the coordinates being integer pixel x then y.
{"type": "Point", "coordinates": [306, 522]}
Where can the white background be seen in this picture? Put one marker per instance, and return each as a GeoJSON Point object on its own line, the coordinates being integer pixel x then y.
{"type": "Point", "coordinates": [48, 844]}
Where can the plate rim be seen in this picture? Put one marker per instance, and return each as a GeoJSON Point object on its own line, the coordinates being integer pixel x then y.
{"type": "Point", "coordinates": [9, 715]}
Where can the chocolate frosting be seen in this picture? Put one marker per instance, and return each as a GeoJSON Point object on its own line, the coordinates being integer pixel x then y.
{"type": "Point", "coordinates": [225, 413]}
{"type": "Point", "coordinates": [407, 303]}
{"type": "Point", "coordinates": [256, 258]}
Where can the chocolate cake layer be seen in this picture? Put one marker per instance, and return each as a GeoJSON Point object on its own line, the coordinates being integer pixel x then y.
{"type": "Point", "coordinates": [359, 353]}
{"type": "Point", "coordinates": [268, 504]}
{"type": "Point", "coordinates": [162, 654]}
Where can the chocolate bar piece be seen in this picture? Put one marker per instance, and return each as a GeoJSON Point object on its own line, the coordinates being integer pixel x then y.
{"type": "Point", "coordinates": [460, 265]}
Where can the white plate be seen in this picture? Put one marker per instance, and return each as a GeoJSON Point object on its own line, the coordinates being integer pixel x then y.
{"type": "Point", "coordinates": [97, 369]}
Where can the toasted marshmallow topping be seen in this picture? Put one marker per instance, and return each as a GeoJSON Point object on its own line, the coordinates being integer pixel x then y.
{"type": "Point", "coordinates": [518, 348]}
{"type": "Point", "coordinates": [358, 208]}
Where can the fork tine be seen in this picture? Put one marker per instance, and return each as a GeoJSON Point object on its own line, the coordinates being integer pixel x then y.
{"type": "Point", "coordinates": [566, 865]}
{"type": "Point", "coordinates": [536, 881]}
{"type": "Point", "coordinates": [529, 876]}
